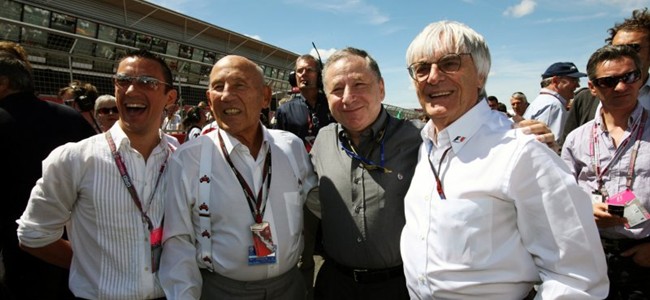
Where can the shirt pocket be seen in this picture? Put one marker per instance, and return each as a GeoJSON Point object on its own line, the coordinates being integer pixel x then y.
{"type": "Point", "coordinates": [294, 212]}
{"type": "Point", "coordinates": [462, 231]}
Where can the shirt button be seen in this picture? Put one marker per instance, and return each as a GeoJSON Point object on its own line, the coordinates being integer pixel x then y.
{"type": "Point", "coordinates": [359, 240]}
{"type": "Point", "coordinates": [146, 269]}
{"type": "Point", "coordinates": [356, 181]}
{"type": "Point", "coordinates": [427, 198]}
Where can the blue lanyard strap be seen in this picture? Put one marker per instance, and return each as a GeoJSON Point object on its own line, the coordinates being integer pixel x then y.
{"type": "Point", "coordinates": [365, 162]}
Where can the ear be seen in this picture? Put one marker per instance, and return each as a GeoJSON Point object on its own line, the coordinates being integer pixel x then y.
{"type": "Point", "coordinates": [268, 93]}
{"type": "Point", "coordinates": [592, 88]}
{"type": "Point", "coordinates": [171, 97]}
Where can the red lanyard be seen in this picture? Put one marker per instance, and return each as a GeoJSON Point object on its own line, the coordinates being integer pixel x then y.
{"type": "Point", "coordinates": [129, 183]}
{"type": "Point", "coordinates": [441, 191]}
{"type": "Point", "coordinates": [257, 204]}
{"type": "Point", "coordinates": [594, 154]}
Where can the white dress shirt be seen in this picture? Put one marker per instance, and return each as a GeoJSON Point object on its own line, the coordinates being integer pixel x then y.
{"type": "Point", "coordinates": [513, 216]}
{"type": "Point", "coordinates": [82, 188]}
{"type": "Point", "coordinates": [230, 214]}
{"type": "Point", "coordinates": [550, 108]}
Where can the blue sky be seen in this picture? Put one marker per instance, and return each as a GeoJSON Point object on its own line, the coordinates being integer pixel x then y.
{"type": "Point", "coordinates": [524, 36]}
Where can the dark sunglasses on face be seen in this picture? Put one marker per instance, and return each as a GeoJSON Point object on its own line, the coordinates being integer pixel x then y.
{"type": "Point", "coordinates": [612, 81]}
{"type": "Point", "coordinates": [124, 81]}
{"type": "Point", "coordinates": [636, 47]}
{"type": "Point", "coordinates": [107, 110]}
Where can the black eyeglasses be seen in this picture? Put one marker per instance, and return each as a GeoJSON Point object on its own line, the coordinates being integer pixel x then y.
{"type": "Point", "coordinates": [448, 64]}
{"type": "Point", "coordinates": [107, 110]}
{"type": "Point", "coordinates": [124, 81]}
{"type": "Point", "coordinates": [611, 81]}
{"type": "Point", "coordinates": [636, 47]}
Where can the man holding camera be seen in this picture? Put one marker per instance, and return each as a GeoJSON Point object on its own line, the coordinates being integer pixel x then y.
{"type": "Point", "coordinates": [609, 157]}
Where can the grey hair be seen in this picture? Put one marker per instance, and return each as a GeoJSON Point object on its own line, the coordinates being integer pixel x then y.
{"type": "Point", "coordinates": [446, 37]}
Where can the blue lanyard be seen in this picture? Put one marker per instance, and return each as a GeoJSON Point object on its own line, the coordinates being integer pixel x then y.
{"type": "Point", "coordinates": [365, 162]}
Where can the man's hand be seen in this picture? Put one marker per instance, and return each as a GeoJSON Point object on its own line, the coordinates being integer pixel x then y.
{"type": "Point", "coordinates": [605, 219]}
{"type": "Point", "coordinates": [640, 254]}
{"type": "Point", "coordinates": [540, 130]}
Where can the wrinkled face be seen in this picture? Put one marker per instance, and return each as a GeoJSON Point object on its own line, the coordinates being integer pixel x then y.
{"type": "Point", "coordinates": [237, 95]}
{"type": "Point", "coordinates": [354, 93]}
{"type": "Point", "coordinates": [141, 106]}
{"type": "Point", "coordinates": [566, 86]}
{"type": "Point", "coordinates": [445, 97]}
{"type": "Point", "coordinates": [306, 74]}
{"type": "Point", "coordinates": [107, 114]}
{"type": "Point", "coordinates": [636, 37]}
{"type": "Point", "coordinates": [519, 106]}
{"type": "Point", "coordinates": [623, 96]}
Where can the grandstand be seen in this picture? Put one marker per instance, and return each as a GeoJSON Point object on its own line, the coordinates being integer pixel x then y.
{"type": "Point", "coordinates": [84, 39]}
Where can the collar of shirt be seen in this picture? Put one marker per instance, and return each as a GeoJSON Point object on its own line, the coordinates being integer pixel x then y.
{"type": "Point", "coordinates": [122, 140]}
{"type": "Point", "coordinates": [634, 117]}
{"type": "Point", "coordinates": [460, 131]}
{"type": "Point", "coordinates": [554, 94]}
{"type": "Point", "coordinates": [371, 133]}
{"type": "Point", "coordinates": [232, 144]}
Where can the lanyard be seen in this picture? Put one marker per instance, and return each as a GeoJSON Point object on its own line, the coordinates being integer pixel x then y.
{"type": "Point", "coordinates": [312, 119]}
{"type": "Point", "coordinates": [365, 162]}
{"type": "Point", "coordinates": [257, 205]}
{"type": "Point", "coordinates": [129, 183]}
{"type": "Point", "coordinates": [441, 191]}
{"type": "Point", "coordinates": [594, 154]}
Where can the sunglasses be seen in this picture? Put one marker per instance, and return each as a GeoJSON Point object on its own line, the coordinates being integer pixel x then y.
{"type": "Point", "coordinates": [150, 83]}
{"type": "Point", "coordinates": [107, 110]}
{"type": "Point", "coordinates": [611, 81]}
{"type": "Point", "coordinates": [636, 47]}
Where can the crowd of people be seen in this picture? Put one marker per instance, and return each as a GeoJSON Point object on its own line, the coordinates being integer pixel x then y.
{"type": "Point", "coordinates": [473, 203]}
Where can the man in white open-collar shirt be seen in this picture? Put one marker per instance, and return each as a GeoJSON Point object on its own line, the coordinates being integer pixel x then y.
{"type": "Point", "coordinates": [113, 242]}
{"type": "Point", "coordinates": [490, 212]}
{"type": "Point", "coordinates": [234, 210]}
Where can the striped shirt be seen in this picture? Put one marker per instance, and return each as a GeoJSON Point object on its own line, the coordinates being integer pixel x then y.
{"type": "Point", "coordinates": [82, 189]}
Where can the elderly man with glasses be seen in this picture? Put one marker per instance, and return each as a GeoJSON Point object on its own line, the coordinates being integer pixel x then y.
{"type": "Point", "coordinates": [108, 193]}
{"type": "Point", "coordinates": [610, 159]}
{"type": "Point", "coordinates": [490, 212]}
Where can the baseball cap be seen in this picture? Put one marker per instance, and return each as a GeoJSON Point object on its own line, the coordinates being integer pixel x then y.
{"type": "Point", "coordinates": [563, 69]}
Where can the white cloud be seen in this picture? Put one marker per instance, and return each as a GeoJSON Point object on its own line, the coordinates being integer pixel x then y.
{"type": "Point", "coordinates": [526, 7]}
{"type": "Point", "coordinates": [324, 53]}
{"type": "Point", "coordinates": [253, 36]}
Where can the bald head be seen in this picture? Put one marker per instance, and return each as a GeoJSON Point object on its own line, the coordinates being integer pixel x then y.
{"type": "Point", "coordinates": [239, 64]}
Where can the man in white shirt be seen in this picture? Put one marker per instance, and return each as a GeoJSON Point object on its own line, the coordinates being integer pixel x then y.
{"type": "Point", "coordinates": [107, 190]}
{"type": "Point", "coordinates": [490, 212]}
{"type": "Point", "coordinates": [232, 231]}
{"type": "Point", "coordinates": [558, 83]}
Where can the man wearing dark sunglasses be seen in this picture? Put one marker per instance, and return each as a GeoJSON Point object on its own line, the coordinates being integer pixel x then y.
{"type": "Point", "coordinates": [106, 112]}
{"type": "Point", "coordinates": [634, 32]}
{"type": "Point", "coordinates": [610, 158]}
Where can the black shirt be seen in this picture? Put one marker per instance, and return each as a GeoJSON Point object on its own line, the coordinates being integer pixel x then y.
{"type": "Point", "coordinates": [297, 117]}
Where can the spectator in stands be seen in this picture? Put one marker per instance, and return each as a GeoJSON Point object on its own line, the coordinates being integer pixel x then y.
{"type": "Point", "coordinates": [172, 121]}
{"type": "Point", "coordinates": [81, 96]}
{"type": "Point", "coordinates": [493, 102]}
{"type": "Point", "coordinates": [29, 129]}
{"type": "Point", "coordinates": [107, 190]}
{"type": "Point", "coordinates": [106, 112]}
{"type": "Point", "coordinates": [193, 122]}
{"type": "Point", "coordinates": [519, 103]}
{"type": "Point", "coordinates": [559, 81]}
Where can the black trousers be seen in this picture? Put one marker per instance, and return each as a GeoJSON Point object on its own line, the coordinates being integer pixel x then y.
{"type": "Point", "coordinates": [332, 283]}
{"type": "Point", "coordinates": [627, 280]}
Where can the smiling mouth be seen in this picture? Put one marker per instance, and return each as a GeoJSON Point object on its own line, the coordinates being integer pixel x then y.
{"type": "Point", "coordinates": [439, 94]}
{"type": "Point", "coordinates": [135, 107]}
{"type": "Point", "coordinates": [231, 111]}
